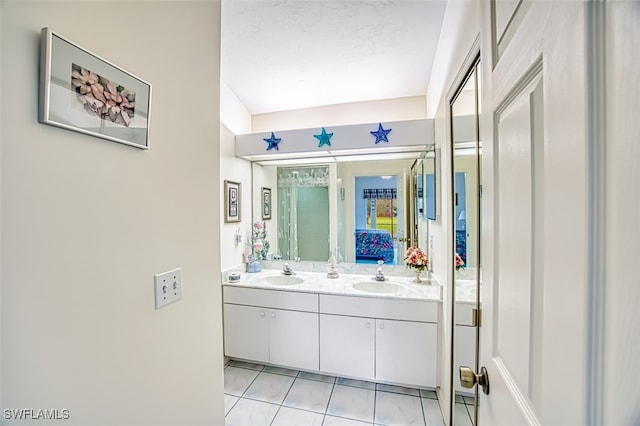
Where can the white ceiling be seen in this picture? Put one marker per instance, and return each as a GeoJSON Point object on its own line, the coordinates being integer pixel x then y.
{"type": "Point", "coordinates": [280, 55]}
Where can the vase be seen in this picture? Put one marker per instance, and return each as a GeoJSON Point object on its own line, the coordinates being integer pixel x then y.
{"type": "Point", "coordinates": [417, 278]}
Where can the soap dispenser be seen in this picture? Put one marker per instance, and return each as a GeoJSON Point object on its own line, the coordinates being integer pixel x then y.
{"type": "Point", "coordinates": [331, 265]}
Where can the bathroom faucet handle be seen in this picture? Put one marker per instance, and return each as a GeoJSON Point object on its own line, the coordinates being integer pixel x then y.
{"type": "Point", "coordinates": [379, 274]}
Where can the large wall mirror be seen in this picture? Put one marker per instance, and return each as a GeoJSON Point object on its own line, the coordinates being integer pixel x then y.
{"type": "Point", "coordinates": [339, 208]}
{"type": "Point", "coordinates": [466, 211]}
{"type": "Point", "coordinates": [423, 175]}
{"type": "Point", "coordinates": [429, 177]}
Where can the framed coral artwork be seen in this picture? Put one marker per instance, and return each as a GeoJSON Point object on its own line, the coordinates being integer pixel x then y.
{"type": "Point", "coordinates": [82, 92]}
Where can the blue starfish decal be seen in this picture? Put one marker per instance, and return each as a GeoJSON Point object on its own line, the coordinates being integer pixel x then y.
{"type": "Point", "coordinates": [381, 134]}
{"type": "Point", "coordinates": [324, 138]}
{"type": "Point", "coordinates": [273, 142]}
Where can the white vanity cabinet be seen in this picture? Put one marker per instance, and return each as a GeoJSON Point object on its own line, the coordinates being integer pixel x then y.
{"type": "Point", "coordinates": [406, 352]}
{"type": "Point", "coordinates": [276, 327]}
{"type": "Point", "coordinates": [347, 346]}
{"type": "Point", "coordinates": [293, 339]}
{"type": "Point", "coordinates": [382, 339]}
{"type": "Point", "coordinates": [246, 332]}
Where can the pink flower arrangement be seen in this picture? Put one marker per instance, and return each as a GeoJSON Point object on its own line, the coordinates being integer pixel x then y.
{"type": "Point", "coordinates": [416, 258]}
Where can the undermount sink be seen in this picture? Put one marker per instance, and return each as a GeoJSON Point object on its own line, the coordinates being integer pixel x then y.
{"type": "Point", "coordinates": [282, 280]}
{"type": "Point", "coordinates": [378, 286]}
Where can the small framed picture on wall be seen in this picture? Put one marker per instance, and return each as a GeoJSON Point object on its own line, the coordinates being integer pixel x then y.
{"type": "Point", "coordinates": [266, 203]}
{"type": "Point", "coordinates": [232, 197]}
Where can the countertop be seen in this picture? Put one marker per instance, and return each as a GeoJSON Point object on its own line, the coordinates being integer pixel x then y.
{"type": "Point", "coordinates": [315, 282]}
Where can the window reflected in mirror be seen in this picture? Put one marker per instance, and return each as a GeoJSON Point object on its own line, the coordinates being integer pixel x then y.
{"type": "Point", "coordinates": [376, 218]}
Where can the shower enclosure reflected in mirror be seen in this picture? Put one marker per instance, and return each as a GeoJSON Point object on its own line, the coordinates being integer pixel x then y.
{"type": "Point", "coordinates": [303, 212]}
{"type": "Point", "coordinates": [467, 151]}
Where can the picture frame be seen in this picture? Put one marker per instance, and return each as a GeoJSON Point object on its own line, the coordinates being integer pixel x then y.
{"type": "Point", "coordinates": [266, 203]}
{"type": "Point", "coordinates": [82, 92]}
{"type": "Point", "coordinates": [232, 201]}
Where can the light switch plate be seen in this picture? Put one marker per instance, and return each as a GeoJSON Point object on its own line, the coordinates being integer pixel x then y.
{"type": "Point", "coordinates": [168, 287]}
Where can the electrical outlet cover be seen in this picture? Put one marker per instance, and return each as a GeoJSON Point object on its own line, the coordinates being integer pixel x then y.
{"type": "Point", "coordinates": [168, 287]}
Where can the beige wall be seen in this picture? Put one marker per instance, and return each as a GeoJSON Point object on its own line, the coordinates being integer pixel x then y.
{"type": "Point", "coordinates": [86, 223]}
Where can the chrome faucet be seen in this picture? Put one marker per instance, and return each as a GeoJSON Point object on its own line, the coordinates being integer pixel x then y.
{"type": "Point", "coordinates": [286, 269]}
{"type": "Point", "coordinates": [379, 275]}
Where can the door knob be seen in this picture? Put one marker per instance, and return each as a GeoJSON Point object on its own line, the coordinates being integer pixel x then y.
{"type": "Point", "coordinates": [468, 378]}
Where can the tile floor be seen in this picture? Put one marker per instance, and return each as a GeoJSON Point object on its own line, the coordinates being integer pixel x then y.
{"type": "Point", "coordinates": [257, 395]}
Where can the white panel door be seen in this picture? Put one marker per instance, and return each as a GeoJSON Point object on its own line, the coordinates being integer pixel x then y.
{"type": "Point", "coordinates": [294, 339]}
{"type": "Point", "coordinates": [347, 346]}
{"type": "Point", "coordinates": [406, 352]}
{"type": "Point", "coordinates": [246, 332]}
{"type": "Point", "coordinates": [535, 192]}
{"type": "Point", "coordinates": [621, 334]}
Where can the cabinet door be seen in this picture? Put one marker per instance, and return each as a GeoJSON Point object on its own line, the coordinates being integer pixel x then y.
{"type": "Point", "coordinates": [294, 339]}
{"type": "Point", "coordinates": [406, 352]}
{"type": "Point", "coordinates": [347, 346]}
{"type": "Point", "coordinates": [246, 333]}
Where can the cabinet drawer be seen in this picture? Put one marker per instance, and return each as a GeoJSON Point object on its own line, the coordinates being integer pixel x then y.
{"type": "Point", "coordinates": [271, 298]}
{"type": "Point", "coordinates": [408, 310]}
